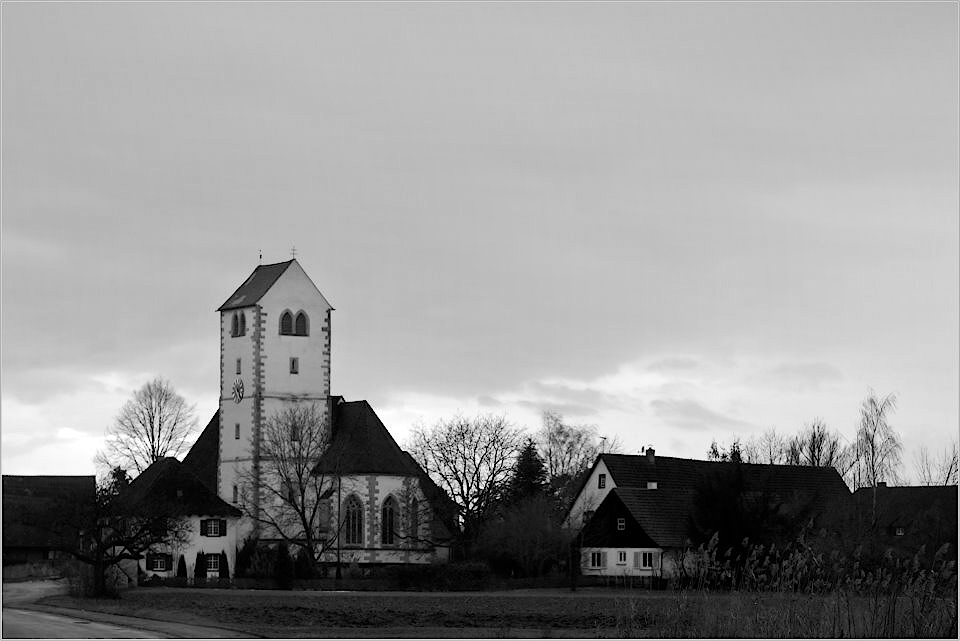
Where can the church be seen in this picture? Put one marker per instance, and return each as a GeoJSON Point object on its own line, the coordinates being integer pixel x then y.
{"type": "Point", "coordinates": [362, 499]}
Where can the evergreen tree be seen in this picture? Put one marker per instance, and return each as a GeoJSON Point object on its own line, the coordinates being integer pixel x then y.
{"type": "Point", "coordinates": [529, 475]}
{"type": "Point", "coordinates": [200, 569]}
{"type": "Point", "coordinates": [224, 566]}
{"type": "Point", "coordinates": [182, 567]}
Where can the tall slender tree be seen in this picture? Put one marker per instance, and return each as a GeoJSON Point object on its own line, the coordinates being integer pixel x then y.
{"type": "Point", "coordinates": [877, 449]}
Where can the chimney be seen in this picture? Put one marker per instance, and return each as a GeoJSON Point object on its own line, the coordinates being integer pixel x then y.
{"type": "Point", "coordinates": [650, 455]}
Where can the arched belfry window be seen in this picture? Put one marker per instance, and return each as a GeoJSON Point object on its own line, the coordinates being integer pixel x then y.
{"type": "Point", "coordinates": [354, 521]}
{"type": "Point", "coordinates": [286, 323]}
{"type": "Point", "coordinates": [388, 517]}
{"type": "Point", "coordinates": [243, 324]}
{"type": "Point", "coordinates": [302, 326]}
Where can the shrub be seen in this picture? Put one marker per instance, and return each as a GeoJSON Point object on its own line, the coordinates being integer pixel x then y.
{"type": "Point", "coordinates": [283, 567]}
{"type": "Point", "coordinates": [304, 569]}
{"type": "Point", "coordinates": [224, 566]}
{"type": "Point", "coordinates": [182, 568]}
{"type": "Point", "coordinates": [470, 575]}
{"type": "Point", "coordinates": [200, 569]}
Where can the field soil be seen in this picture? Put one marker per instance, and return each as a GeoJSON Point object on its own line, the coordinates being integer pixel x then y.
{"type": "Point", "coordinates": [520, 613]}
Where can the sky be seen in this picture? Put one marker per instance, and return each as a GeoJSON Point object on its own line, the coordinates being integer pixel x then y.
{"type": "Point", "coordinates": [676, 222]}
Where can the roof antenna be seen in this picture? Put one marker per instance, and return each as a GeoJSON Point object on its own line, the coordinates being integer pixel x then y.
{"type": "Point", "coordinates": [603, 444]}
{"type": "Point", "coordinates": [293, 252]}
{"type": "Point", "coordinates": [261, 258]}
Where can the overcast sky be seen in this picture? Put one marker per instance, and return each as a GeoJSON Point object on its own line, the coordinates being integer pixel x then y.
{"type": "Point", "coordinates": [676, 222]}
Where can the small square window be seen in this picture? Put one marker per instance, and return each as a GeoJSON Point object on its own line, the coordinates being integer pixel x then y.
{"type": "Point", "coordinates": [899, 531]}
{"type": "Point", "coordinates": [213, 527]}
{"type": "Point", "coordinates": [621, 524]}
{"type": "Point", "coordinates": [294, 365]}
{"type": "Point", "coordinates": [238, 365]}
{"type": "Point", "coordinates": [213, 563]}
{"type": "Point", "coordinates": [602, 481]}
{"type": "Point", "coordinates": [158, 564]}
{"type": "Point", "coordinates": [236, 431]}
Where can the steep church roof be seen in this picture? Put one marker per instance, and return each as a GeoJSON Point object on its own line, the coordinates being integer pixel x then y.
{"type": "Point", "coordinates": [256, 285]}
{"type": "Point", "coordinates": [361, 444]}
{"type": "Point", "coordinates": [203, 457]}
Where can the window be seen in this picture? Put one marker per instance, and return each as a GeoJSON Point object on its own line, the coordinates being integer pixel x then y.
{"type": "Point", "coordinates": [354, 522]}
{"type": "Point", "coordinates": [235, 326]}
{"type": "Point", "coordinates": [236, 494]}
{"type": "Point", "coordinates": [236, 431]}
{"type": "Point", "coordinates": [301, 325]}
{"type": "Point", "coordinates": [621, 558]}
{"type": "Point", "coordinates": [899, 531]}
{"type": "Point", "coordinates": [213, 527]}
{"type": "Point", "coordinates": [295, 433]}
{"type": "Point", "coordinates": [387, 521]}
{"type": "Point", "coordinates": [243, 324]}
{"type": "Point", "coordinates": [158, 564]}
{"type": "Point", "coordinates": [213, 563]}
{"type": "Point", "coordinates": [621, 524]}
{"type": "Point", "coordinates": [414, 518]}
{"type": "Point", "coordinates": [602, 481]}
{"type": "Point", "coordinates": [651, 485]}
{"type": "Point", "coordinates": [646, 560]}
{"type": "Point", "coordinates": [294, 365]}
{"type": "Point", "coordinates": [238, 365]}
{"type": "Point", "coordinates": [286, 323]}
{"type": "Point", "coordinates": [598, 559]}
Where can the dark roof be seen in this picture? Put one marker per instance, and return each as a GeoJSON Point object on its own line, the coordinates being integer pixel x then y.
{"type": "Point", "coordinates": [678, 474]}
{"type": "Point", "coordinates": [361, 444]}
{"type": "Point", "coordinates": [204, 456]}
{"type": "Point", "coordinates": [663, 514]}
{"type": "Point", "coordinates": [45, 511]}
{"type": "Point", "coordinates": [169, 485]}
{"type": "Point", "coordinates": [258, 283]}
{"type": "Point", "coordinates": [903, 506]}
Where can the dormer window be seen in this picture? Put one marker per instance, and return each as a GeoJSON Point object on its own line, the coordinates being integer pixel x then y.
{"type": "Point", "coordinates": [602, 481]}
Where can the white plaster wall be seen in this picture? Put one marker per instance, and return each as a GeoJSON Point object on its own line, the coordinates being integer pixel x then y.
{"type": "Point", "coordinates": [615, 568]}
{"type": "Point", "coordinates": [590, 496]}
{"type": "Point", "coordinates": [196, 543]}
{"type": "Point", "coordinates": [235, 452]}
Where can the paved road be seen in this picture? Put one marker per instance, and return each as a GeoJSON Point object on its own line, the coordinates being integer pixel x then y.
{"type": "Point", "coordinates": [29, 624]}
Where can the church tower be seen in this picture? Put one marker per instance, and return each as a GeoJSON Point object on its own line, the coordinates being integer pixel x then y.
{"type": "Point", "coordinates": [274, 351]}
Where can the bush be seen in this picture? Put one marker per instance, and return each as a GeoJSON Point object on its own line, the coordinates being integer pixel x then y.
{"type": "Point", "coordinates": [303, 567]}
{"type": "Point", "coordinates": [471, 575]}
{"type": "Point", "coordinates": [283, 567]}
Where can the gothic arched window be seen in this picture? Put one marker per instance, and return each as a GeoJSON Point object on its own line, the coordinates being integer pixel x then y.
{"type": "Point", "coordinates": [354, 521]}
{"type": "Point", "coordinates": [235, 326]}
{"type": "Point", "coordinates": [243, 324]}
{"type": "Point", "coordinates": [302, 326]}
{"type": "Point", "coordinates": [286, 323]}
{"type": "Point", "coordinates": [414, 519]}
{"type": "Point", "coordinates": [388, 516]}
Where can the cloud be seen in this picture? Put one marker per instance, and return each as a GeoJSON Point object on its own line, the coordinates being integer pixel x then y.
{"type": "Point", "coordinates": [688, 414]}
{"type": "Point", "coordinates": [806, 376]}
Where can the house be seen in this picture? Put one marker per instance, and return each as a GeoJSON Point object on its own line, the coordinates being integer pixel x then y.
{"type": "Point", "coordinates": [376, 504]}
{"type": "Point", "coordinates": [905, 518]}
{"type": "Point", "coordinates": [637, 513]}
{"type": "Point", "coordinates": [208, 525]}
{"type": "Point", "coordinates": [43, 516]}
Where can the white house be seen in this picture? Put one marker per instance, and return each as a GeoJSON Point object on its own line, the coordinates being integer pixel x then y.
{"type": "Point", "coordinates": [209, 524]}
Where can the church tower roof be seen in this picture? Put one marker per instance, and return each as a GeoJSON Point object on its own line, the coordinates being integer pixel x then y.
{"type": "Point", "coordinates": [256, 285]}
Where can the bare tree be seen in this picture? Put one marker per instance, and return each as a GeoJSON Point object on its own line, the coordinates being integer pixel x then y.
{"type": "Point", "coordinates": [155, 423]}
{"type": "Point", "coordinates": [471, 460]}
{"type": "Point", "coordinates": [878, 448]}
{"type": "Point", "coordinates": [817, 446]}
{"type": "Point", "coordinates": [568, 452]}
{"type": "Point", "coordinates": [941, 470]}
{"type": "Point", "coordinates": [286, 494]}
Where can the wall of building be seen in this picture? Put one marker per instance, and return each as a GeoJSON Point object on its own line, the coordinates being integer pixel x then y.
{"type": "Point", "coordinates": [615, 567]}
{"type": "Point", "coordinates": [195, 543]}
{"type": "Point", "coordinates": [590, 496]}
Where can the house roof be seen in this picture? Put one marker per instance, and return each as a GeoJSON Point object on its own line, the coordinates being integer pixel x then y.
{"type": "Point", "coordinates": [256, 285]}
{"type": "Point", "coordinates": [678, 474]}
{"type": "Point", "coordinates": [170, 485]}
{"type": "Point", "coordinates": [39, 511]}
{"type": "Point", "coordinates": [203, 457]}
{"type": "Point", "coordinates": [663, 514]}
{"type": "Point", "coordinates": [901, 506]}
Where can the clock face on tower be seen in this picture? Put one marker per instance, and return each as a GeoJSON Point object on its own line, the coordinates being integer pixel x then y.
{"type": "Point", "coordinates": [237, 390]}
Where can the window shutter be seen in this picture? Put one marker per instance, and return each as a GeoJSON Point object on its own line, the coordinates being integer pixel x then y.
{"type": "Point", "coordinates": [636, 560]}
{"type": "Point", "coordinates": [203, 527]}
{"type": "Point", "coordinates": [223, 527]}
{"type": "Point", "coordinates": [167, 562]}
{"type": "Point", "coordinates": [603, 559]}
